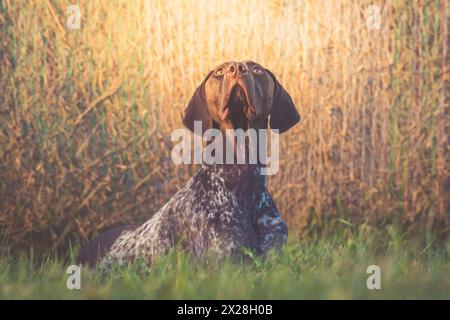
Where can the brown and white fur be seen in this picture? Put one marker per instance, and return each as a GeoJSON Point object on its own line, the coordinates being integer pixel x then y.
{"type": "Point", "coordinates": [224, 207]}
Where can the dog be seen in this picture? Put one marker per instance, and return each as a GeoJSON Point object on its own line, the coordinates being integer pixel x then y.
{"type": "Point", "coordinates": [224, 207]}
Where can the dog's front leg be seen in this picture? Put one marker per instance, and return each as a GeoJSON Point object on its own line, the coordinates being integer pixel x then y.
{"type": "Point", "coordinates": [270, 227]}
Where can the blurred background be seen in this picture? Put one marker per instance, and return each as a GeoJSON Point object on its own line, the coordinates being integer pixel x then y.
{"type": "Point", "coordinates": [86, 114]}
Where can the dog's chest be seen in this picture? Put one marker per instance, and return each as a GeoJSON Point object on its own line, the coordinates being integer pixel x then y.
{"type": "Point", "coordinates": [221, 195]}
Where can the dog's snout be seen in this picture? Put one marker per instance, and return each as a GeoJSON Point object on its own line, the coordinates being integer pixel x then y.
{"type": "Point", "coordinates": [231, 70]}
{"type": "Point", "coordinates": [236, 69]}
{"type": "Point", "coordinates": [241, 68]}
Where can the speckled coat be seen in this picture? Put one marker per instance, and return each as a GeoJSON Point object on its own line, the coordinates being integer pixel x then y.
{"type": "Point", "coordinates": [222, 209]}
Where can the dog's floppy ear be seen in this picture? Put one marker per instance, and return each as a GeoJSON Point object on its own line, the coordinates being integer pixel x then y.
{"type": "Point", "coordinates": [197, 109]}
{"type": "Point", "coordinates": [283, 114]}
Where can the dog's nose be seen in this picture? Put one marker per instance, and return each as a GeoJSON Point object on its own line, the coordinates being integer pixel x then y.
{"type": "Point", "coordinates": [235, 69]}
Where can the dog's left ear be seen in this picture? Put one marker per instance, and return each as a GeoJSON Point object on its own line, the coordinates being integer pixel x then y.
{"type": "Point", "coordinates": [283, 114]}
{"type": "Point", "coordinates": [197, 109]}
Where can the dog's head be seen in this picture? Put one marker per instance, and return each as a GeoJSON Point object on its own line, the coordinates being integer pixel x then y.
{"type": "Point", "coordinates": [241, 95]}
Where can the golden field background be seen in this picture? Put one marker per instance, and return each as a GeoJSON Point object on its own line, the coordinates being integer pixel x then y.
{"type": "Point", "coordinates": [86, 115]}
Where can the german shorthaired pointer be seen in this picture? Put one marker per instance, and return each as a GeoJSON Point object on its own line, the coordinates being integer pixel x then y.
{"type": "Point", "coordinates": [224, 207]}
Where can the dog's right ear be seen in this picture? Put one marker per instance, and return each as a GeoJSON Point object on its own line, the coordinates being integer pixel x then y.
{"type": "Point", "coordinates": [197, 109]}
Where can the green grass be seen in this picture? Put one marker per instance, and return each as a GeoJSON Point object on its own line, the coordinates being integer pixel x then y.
{"type": "Point", "coordinates": [332, 268]}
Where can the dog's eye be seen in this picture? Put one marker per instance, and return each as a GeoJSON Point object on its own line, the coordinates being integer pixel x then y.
{"type": "Point", "coordinates": [257, 70]}
{"type": "Point", "coordinates": [219, 72]}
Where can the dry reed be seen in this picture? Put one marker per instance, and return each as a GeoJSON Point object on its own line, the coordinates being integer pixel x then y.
{"type": "Point", "coordinates": [86, 115]}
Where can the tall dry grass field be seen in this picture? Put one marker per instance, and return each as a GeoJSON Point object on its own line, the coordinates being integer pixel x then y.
{"type": "Point", "coordinates": [86, 115]}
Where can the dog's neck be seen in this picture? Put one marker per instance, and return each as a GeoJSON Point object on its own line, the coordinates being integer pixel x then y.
{"type": "Point", "coordinates": [245, 180]}
{"type": "Point", "coordinates": [228, 145]}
